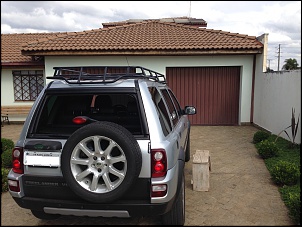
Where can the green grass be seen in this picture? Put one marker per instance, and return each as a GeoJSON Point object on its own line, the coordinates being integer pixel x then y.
{"type": "Point", "coordinates": [289, 194]}
{"type": "Point", "coordinates": [286, 153]}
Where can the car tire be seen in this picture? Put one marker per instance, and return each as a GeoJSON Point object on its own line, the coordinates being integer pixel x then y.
{"type": "Point", "coordinates": [101, 161]}
{"type": "Point", "coordinates": [188, 150]}
{"type": "Point", "coordinates": [44, 216]}
{"type": "Point", "coordinates": [176, 216]}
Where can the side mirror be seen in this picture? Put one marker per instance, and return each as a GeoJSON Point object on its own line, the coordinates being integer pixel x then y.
{"type": "Point", "coordinates": [189, 110]}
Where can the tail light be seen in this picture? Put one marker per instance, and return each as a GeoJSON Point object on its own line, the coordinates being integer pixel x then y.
{"type": "Point", "coordinates": [79, 120]}
{"type": "Point", "coordinates": [158, 169]}
{"type": "Point", "coordinates": [158, 163]}
{"type": "Point", "coordinates": [159, 190]}
{"type": "Point", "coordinates": [18, 160]}
{"type": "Point", "coordinates": [14, 185]}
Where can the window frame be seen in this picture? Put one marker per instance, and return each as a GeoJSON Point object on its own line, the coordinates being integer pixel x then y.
{"type": "Point", "coordinates": [27, 84]}
{"type": "Point", "coordinates": [173, 112]}
{"type": "Point", "coordinates": [162, 110]}
{"type": "Point", "coordinates": [176, 103]}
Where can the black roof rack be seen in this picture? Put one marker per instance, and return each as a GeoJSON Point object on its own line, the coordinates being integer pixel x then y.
{"type": "Point", "coordinates": [104, 74]}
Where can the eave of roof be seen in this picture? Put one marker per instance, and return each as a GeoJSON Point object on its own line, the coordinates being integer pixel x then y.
{"type": "Point", "coordinates": [32, 63]}
{"type": "Point", "coordinates": [143, 53]}
{"type": "Point", "coordinates": [16, 65]}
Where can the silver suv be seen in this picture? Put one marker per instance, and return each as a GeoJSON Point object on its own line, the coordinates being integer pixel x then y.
{"type": "Point", "coordinates": [103, 141]}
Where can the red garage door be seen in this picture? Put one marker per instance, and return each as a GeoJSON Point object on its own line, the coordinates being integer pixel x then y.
{"type": "Point", "coordinates": [214, 91]}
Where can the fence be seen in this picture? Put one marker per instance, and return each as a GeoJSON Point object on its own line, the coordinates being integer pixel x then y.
{"type": "Point", "coordinates": [276, 93]}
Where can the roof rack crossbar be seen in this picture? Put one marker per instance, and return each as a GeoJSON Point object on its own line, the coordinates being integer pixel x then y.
{"type": "Point", "coordinates": [104, 74]}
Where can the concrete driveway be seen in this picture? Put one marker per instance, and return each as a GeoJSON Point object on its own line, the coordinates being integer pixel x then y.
{"type": "Point", "coordinates": [241, 192]}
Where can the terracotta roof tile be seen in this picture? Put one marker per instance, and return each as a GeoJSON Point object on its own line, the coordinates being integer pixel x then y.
{"type": "Point", "coordinates": [142, 36]}
{"type": "Point", "coordinates": [178, 20]}
{"type": "Point", "coordinates": [11, 45]}
{"type": "Point", "coordinates": [150, 35]}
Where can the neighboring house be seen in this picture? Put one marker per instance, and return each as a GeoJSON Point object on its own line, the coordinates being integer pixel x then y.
{"type": "Point", "coordinates": [211, 69]}
{"type": "Point", "coordinates": [22, 77]}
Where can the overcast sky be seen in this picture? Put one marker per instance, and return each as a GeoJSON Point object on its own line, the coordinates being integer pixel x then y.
{"type": "Point", "coordinates": [280, 19]}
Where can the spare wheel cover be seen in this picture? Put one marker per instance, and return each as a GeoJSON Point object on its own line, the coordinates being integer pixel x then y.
{"type": "Point", "coordinates": [100, 161]}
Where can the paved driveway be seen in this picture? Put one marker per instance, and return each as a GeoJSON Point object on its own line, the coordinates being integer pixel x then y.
{"type": "Point", "coordinates": [241, 192]}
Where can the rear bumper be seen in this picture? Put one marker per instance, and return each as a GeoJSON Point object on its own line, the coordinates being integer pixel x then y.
{"type": "Point", "coordinates": [53, 196]}
{"type": "Point", "coordinates": [123, 208]}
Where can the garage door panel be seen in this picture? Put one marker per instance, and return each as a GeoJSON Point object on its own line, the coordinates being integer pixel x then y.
{"type": "Point", "coordinates": [214, 91]}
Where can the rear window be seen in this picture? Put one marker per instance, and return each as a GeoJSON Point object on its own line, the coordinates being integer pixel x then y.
{"type": "Point", "coordinates": [58, 111]}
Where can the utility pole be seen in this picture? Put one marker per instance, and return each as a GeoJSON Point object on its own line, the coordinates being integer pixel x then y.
{"type": "Point", "coordinates": [279, 56]}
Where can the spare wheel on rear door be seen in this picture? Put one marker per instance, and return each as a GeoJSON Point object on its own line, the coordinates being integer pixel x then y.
{"type": "Point", "coordinates": [100, 161]}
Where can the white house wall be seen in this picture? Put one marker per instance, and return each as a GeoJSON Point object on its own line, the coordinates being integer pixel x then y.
{"type": "Point", "coordinates": [276, 94]}
{"type": "Point", "coordinates": [7, 92]}
{"type": "Point", "coordinates": [159, 64]}
{"type": "Point", "coordinates": [7, 88]}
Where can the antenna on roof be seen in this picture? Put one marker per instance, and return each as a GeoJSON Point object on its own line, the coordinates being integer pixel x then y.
{"type": "Point", "coordinates": [189, 10]}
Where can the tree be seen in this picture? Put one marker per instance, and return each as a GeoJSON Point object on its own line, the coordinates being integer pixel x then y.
{"type": "Point", "coordinates": [290, 64]}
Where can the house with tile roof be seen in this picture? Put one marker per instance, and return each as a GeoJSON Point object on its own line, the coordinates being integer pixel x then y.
{"type": "Point", "coordinates": [213, 70]}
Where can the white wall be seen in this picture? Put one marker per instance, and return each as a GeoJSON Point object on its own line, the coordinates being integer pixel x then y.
{"type": "Point", "coordinates": [7, 87]}
{"type": "Point", "coordinates": [275, 95]}
{"type": "Point", "coordinates": [159, 64]}
{"type": "Point", "coordinates": [7, 92]}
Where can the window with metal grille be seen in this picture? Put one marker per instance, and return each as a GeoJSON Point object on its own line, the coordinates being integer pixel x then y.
{"type": "Point", "coordinates": [27, 84]}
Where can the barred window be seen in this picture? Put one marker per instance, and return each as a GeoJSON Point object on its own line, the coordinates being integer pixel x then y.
{"type": "Point", "coordinates": [27, 84]}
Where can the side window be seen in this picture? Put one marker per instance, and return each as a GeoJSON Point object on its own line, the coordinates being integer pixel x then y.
{"type": "Point", "coordinates": [176, 103]}
{"type": "Point", "coordinates": [162, 112]}
{"type": "Point", "coordinates": [173, 112]}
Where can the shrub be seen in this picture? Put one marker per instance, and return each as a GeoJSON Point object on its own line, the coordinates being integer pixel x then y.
{"type": "Point", "coordinates": [285, 173]}
{"type": "Point", "coordinates": [291, 198]}
{"type": "Point", "coordinates": [4, 173]}
{"type": "Point", "coordinates": [267, 149]}
{"type": "Point", "coordinates": [260, 136]}
{"type": "Point", "coordinates": [7, 144]}
{"type": "Point", "coordinates": [294, 206]}
{"type": "Point", "coordinates": [6, 159]}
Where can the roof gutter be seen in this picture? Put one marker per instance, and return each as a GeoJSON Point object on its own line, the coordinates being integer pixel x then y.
{"type": "Point", "coordinates": [139, 53]}
{"type": "Point", "coordinates": [22, 64]}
